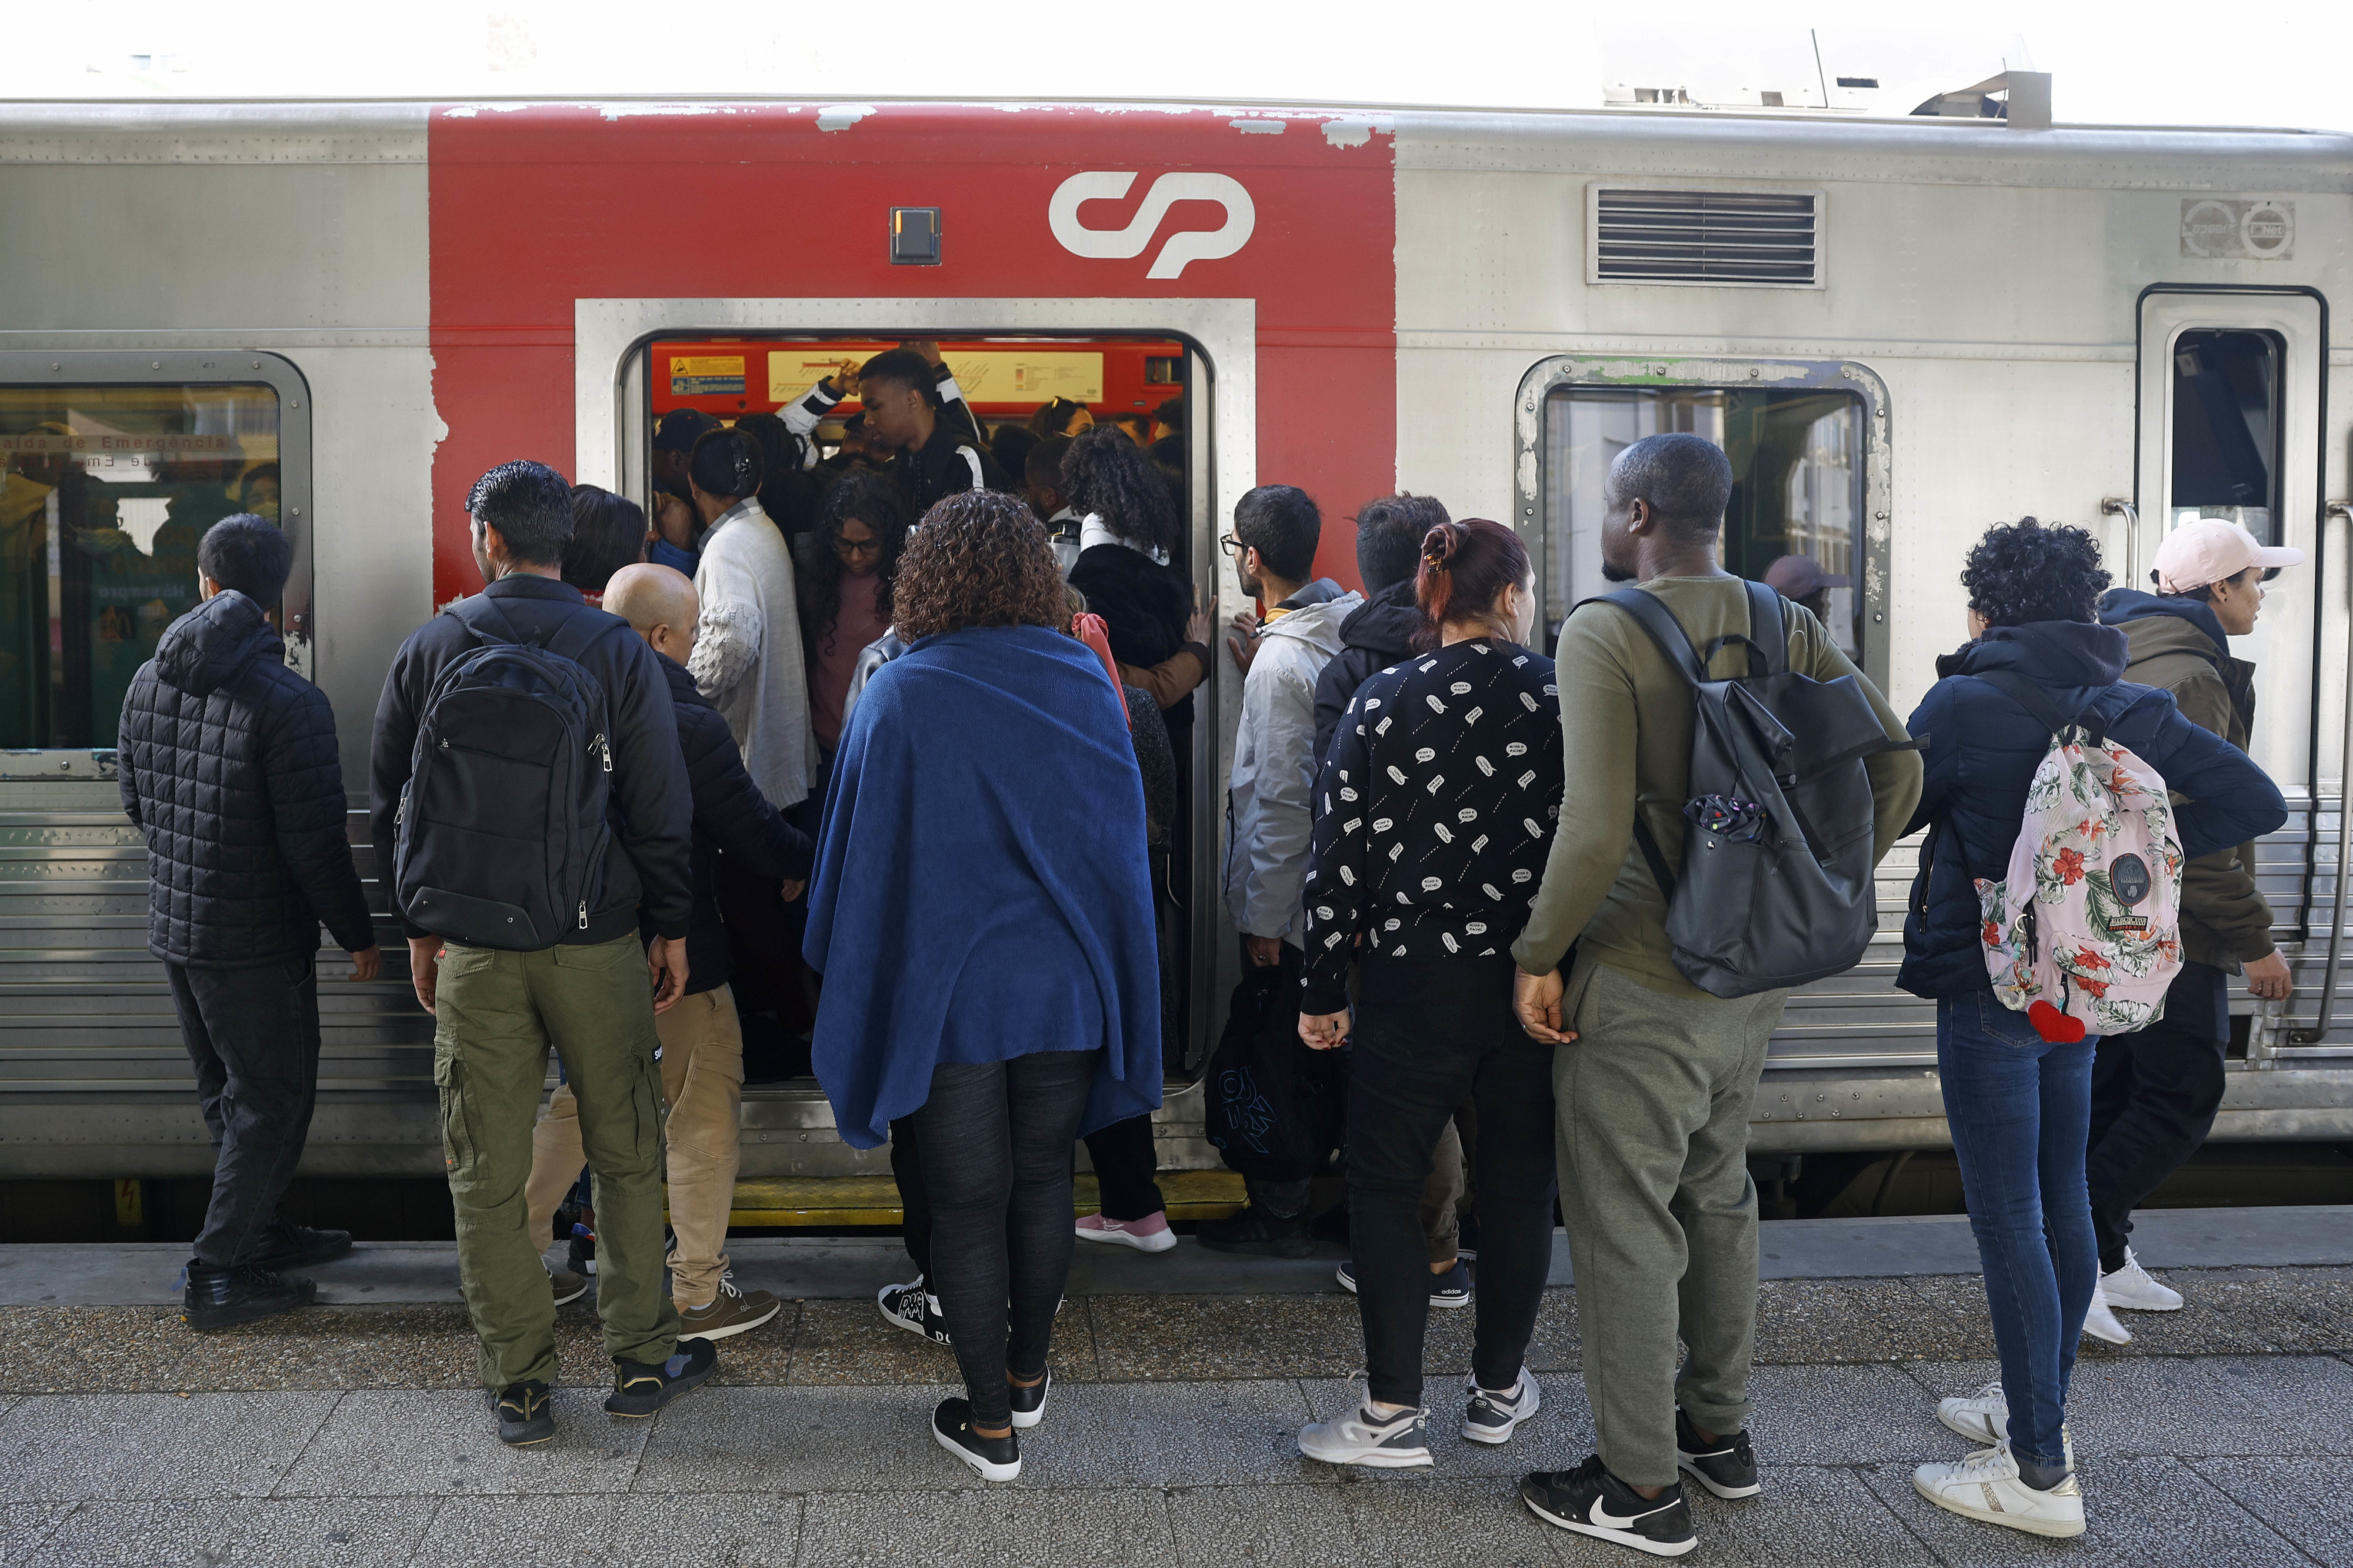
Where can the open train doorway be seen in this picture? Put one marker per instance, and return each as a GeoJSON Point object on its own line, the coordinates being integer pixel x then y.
{"type": "Point", "coordinates": [1018, 393]}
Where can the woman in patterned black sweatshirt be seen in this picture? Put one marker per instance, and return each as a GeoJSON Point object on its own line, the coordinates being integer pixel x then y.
{"type": "Point", "coordinates": [1434, 812]}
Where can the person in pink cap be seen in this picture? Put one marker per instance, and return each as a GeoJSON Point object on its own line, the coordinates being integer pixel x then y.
{"type": "Point", "coordinates": [2155, 1091]}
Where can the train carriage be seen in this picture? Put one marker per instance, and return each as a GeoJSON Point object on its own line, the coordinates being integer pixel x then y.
{"type": "Point", "coordinates": [1902, 330]}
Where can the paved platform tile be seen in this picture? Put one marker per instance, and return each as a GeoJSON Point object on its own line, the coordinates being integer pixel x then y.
{"type": "Point", "coordinates": [1807, 1517]}
{"type": "Point", "coordinates": [334, 1347]}
{"type": "Point", "coordinates": [2218, 1405]}
{"type": "Point", "coordinates": [2303, 1499]}
{"type": "Point", "coordinates": [716, 1530]}
{"type": "Point", "coordinates": [1820, 1320]}
{"type": "Point", "coordinates": [90, 1350]}
{"type": "Point", "coordinates": [444, 1442]}
{"type": "Point", "coordinates": [1141, 1433]}
{"type": "Point", "coordinates": [801, 1440]}
{"type": "Point", "coordinates": [1447, 1522]}
{"type": "Point", "coordinates": [2287, 1309]}
{"type": "Point", "coordinates": [1201, 1337]}
{"type": "Point", "coordinates": [1839, 1415]}
{"type": "Point", "coordinates": [1263, 1526]}
{"type": "Point", "coordinates": [1560, 1434]}
{"type": "Point", "coordinates": [24, 1525]}
{"type": "Point", "coordinates": [846, 1343]}
{"type": "Point", "coordinates": [1020, 1526]}
{"type": "Point", "coordinates": [145, 1446]}
{"type": "Point", "coordinates": [2137, 1512]}
{"type": "Point", "coordinates": [213, 1532]}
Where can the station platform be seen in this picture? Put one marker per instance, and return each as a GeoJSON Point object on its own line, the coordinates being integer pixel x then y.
{"type": "Point", "coordinates": [350, 1434]}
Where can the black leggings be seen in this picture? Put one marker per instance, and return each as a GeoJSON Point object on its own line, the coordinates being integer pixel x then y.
{"type": "Point", "coordinates": [996, 1140]}
{"type": "Point", "coordinates": [1428, 1035]}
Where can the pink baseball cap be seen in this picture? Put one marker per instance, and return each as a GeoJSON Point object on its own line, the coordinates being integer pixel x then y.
{"type": "Point", "coordinates": [2210, 549]}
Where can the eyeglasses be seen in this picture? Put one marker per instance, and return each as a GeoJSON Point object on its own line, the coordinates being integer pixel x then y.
{"type": "Point", "coordinates": [1232, 544]}
{"type": "Point", "coordinates": [848, 547]}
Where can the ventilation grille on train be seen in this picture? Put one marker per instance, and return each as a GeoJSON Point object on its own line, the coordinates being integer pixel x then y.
{"type": "Point", "coordinates": [1705, 237]}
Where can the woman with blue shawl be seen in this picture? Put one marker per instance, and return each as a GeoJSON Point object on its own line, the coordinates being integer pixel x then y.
{"type": "Point", "coordinates": [982, 913]}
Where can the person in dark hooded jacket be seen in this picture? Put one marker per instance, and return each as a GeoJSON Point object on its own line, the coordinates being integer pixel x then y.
{"type": "Point", "coordinates": [228, 762]}
{"type": "Point", "coordinates": [1380, 632]}
{"type": "Point", "coordinates": [2019, 1105]}
{"type": "Point", "coordinates": [2155, 1090]}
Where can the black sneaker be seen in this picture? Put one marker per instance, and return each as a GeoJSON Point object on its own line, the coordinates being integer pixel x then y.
{"type": "Point", "coordinates": [1589, 1501]}
{"type": "Point", "coordinates": [217, 1297]}
{"type": "Point", "coordinates": [287, 1247]}
{"type": "Point", "coordinates": [1726, 1467]}
{"type": "Point", "coordinates": [523, 1416]}
{"type": "Point", "coordinates": [642, 1387]}
{"type": "Point", "coordinates": [997, 1459]}
{"type": "Point", "coordinates": [1255, 1230]}
{"type": "Point", "coordinates": [1029, 1404]}
{"type": "Point", "coordinates": [912, 1307]}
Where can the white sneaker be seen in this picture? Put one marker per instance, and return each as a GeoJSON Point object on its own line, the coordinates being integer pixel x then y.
{"type": "Point", "coordinates": [2132, 1289]}
{"type": "Point", "coordinates": [1492, 1416]}
{"type": "Point", "coordinates": [1981, 1418]}
{"type": "Point", "coordinates": [1398, 1443]}
{"type": "Point", "coordinates": [1986, 1486]}
{"type": "Point", "coordinates": [2101, 1324]}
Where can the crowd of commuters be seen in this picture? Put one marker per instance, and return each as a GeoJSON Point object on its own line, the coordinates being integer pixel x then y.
{"type": "Point", "coordinates": [807, 742]}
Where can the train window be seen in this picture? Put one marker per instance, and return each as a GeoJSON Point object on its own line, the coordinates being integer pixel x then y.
{"type": "Point", "coordinates": [1797, 482]}
{"type": "Point", "coordinates": [107, 489]}
{"type": "Point", "coordinates": [2228, 387]}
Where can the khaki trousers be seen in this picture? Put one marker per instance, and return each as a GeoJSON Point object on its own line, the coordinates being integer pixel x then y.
{"type": "Point", "coordinates": [703, 1083]}
{"type": "Point", "coordinates": [1651, 1105]}
{"type": "Point", "coordinates": [496, 1014]}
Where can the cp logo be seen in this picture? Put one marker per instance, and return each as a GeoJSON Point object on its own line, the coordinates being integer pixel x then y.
{"type": "Point", "coordinates": [1119, 244]}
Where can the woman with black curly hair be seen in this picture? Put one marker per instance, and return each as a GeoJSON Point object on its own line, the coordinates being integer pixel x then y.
{"type": "Point", "coordinates": [846, 590]}
{"type": "Point", "coordinates": [2019, 1105]}
{"type": "Point", "coordinates": [982, 913]}
{"type": "Point", "coordinates": [1129, 534]}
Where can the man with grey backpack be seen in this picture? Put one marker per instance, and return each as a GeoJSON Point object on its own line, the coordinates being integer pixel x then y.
{"type": "Point", "coordinates": [1715, 739]}
{"type": "Point", "coordinates": [529, 798]}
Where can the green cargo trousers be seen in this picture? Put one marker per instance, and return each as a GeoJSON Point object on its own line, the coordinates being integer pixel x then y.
{"type": "Point", "coordinates": [495, 1015]}
{"type": "Point", "coordinates": [1653, 1104]}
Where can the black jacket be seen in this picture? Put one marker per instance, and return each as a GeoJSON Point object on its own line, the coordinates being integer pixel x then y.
{"type": "Point", "coordinates": [952, 462]}
{"type": "Point", "coordinates": [1374, 637]}
{"type": "Point", "coordinates": [732, 817]}
{"type": "Point", "coordinates": [649, 864]}
{"type": "Point", "coordinates": [1144, 605]}
{"type": "Point", "coordinates": [227, 762]}
{"type": "Point", "coordinates": [1982, 750]}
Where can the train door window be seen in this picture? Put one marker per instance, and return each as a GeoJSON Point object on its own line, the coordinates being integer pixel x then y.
{"type": "Point", "coordinates": [2228, 387]}
{"type": "Point", "coordinates": [107, 486]}
{"type": "Point", "coordinates": [1797, 483]}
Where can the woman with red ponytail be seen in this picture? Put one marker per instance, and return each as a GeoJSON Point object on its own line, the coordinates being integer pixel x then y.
{"type": "Point", "coordinates": [1434, 813]}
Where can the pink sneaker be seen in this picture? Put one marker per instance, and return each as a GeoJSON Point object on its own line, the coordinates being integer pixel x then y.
{"type": "Point", "coordinates": [1150, 1234]}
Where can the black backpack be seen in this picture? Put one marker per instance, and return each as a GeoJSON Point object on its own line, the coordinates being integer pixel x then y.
{"type": "Point", "coordinates": [1273, 1107]}
{"type": "Point", "coordinates": [501, 830]}
{"type": "Point", "coordinates": [1778, 884]}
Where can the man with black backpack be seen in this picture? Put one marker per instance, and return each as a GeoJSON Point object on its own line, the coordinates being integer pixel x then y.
{"type": "Point", "coordinates": [1662, 1021]}
{"type": "Point", "coordinates": [529, 797]}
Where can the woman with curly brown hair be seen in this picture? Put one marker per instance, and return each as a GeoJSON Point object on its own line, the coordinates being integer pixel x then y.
{"type": "Point", "coordinates": [982, 913]}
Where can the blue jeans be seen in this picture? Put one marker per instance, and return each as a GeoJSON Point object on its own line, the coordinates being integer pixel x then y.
{"type": "Point", "coordinates": [2020, 1109]}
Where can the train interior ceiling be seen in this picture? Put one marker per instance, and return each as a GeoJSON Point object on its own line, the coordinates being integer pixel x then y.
{"type": "Point", "coordinates": [1015, 387]}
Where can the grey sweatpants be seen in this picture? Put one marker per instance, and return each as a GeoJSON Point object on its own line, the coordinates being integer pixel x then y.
{"type": "Point", "coordinates": [1652, 1104]}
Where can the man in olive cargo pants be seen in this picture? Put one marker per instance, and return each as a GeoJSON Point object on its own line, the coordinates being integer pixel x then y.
{"type": "Point", "coordinates": [592, 995]}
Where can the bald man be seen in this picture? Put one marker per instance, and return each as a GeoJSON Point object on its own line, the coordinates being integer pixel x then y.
{"type": "Point", "coordinates": [701, 1040]}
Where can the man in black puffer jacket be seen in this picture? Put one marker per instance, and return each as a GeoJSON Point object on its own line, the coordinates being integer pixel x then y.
{"type": "Point", "coordinates": [1381, 633]}
{"type": "Point", "coordinates": [702, 1055]}
{"type": "Point", "coordinates": [227, 763]}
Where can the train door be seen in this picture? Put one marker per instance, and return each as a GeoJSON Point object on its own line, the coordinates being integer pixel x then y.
{"type": "Point", "coordinates": [2232, 424]}
{"type": "Point", "coordinates": [1121, 359]}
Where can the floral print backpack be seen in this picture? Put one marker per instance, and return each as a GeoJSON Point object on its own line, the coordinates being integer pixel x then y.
{"type": "Point", "coordinates": [2084, 934]}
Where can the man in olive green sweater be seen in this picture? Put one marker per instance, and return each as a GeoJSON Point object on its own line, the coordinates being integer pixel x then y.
{"type": "Point", "coordinates": [1654, 1078]}
{"type": "Point", "coordinates": [2155, 1091]}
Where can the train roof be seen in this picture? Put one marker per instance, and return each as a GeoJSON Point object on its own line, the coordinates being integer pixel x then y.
{"type": "Point", "coordinates": [1665, 143]}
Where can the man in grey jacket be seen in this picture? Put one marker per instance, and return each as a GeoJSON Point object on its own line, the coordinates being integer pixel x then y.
{"type": "Point", "coordinates": [1269, 801]}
